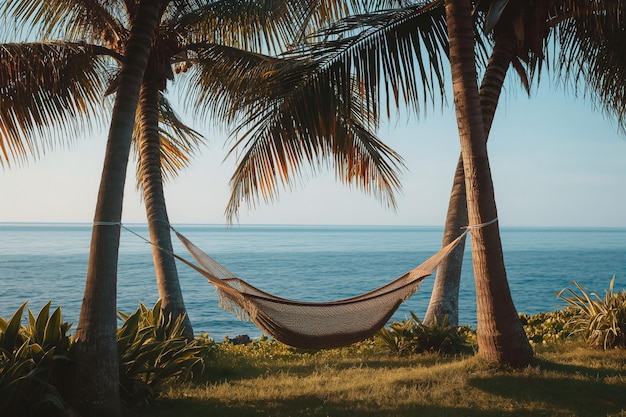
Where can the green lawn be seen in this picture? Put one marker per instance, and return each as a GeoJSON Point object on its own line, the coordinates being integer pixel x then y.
{"type": "Point", "coordinates": [271, 380]}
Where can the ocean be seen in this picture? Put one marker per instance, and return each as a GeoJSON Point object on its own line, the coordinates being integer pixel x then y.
{"type": "Point", "coordinates": [42, 262]}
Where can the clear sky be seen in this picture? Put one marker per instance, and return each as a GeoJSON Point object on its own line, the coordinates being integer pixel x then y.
{"type": "Point", "coordinates": [555, 162]}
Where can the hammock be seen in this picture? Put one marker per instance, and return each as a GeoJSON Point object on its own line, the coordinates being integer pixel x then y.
{"type": "Point", "coordinates": [312, 325]}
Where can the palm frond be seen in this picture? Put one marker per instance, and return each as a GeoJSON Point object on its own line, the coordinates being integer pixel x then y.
{"type": "Point", "coordinates": [261, 26]}
{"type": "Point", "coordinates": [96, 21]}
{"type": "Point", "coordinates": [248, 25]}
{"type": "Point", "coordinates": [400, 52]}
{"type": "Point", "coordinates": [592, 57]}
{"type": "Point", "coordinates": [314, 111]}
{"type": "Point", "coordinates": [315, 125]}
{"type": "Point", "coordinates": [220, 78]}
{"type": "Point", "coordinates": [50, 93]}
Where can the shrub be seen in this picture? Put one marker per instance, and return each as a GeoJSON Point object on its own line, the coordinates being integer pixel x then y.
{"type": "Point", "coordinates": [412, 336]}
{"type": "Point", "coordinates": [548, 328]}
{"type": "Point", "coordinates": [151, 352]}
{"type": "Point", "coordinates": [601, 321]}
{"type": "Point", "coordinates": [34, 363]}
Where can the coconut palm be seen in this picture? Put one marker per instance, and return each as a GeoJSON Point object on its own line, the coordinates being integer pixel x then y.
{"type": "Point", "coordinates": [60, 84]}
{"type": "Point", "coordinates": [510, 48]}
{"type": "Point", "coordinates": [589, 53]}
{"type": "Point", "coordinates": [501, 337]}
{"type": "Point", "coordinates": [97, 378]}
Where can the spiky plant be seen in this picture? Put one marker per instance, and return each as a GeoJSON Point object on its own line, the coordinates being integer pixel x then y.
{"type": "Point", "coordinates": [600, 320]}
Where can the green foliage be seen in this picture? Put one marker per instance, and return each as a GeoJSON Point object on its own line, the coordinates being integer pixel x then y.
{"type": "Point", "coordinates": [412, 336]}
{"type": "Point", "coordinates": [34, 363]}
{"type": "Point", "coordinates": [548, 328]}
{"type": "Point", "coordinates": [600, 320]}
{"type": "Point", "coordinates": [151, 352]}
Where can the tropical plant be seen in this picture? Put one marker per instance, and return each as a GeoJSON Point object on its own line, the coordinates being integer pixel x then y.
{"type": "Point", "coordinates": [35, 364]}
{"type": "Point", "coordinates": [96, 33]}
{"type": "Point", "coordinates": [500, 335]}
{"type": "Point", "coordinates": [412, 336]}
{"type": "Point", "coordinates": [548, 328]}
{"type": "Point", "coordinates": [586, 38]}
{"type": "Point", "coordinates": [153, 350]}
{"type": "Point", "coordinates": [601, 321]}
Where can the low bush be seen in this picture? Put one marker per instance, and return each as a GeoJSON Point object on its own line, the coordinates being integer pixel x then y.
{"type": "Point", "coordinates": [36, 359]}
{"type": "Point", "coordinates": [34, 363]}
{"type": "Point", "coordinates": [151, 352]}
{"type": "Point", "coordinates": [600, 320]}
{"type": "Point", "coordinates": [548, 328]}
{"type": "Point", "coordinates": [412, 336]}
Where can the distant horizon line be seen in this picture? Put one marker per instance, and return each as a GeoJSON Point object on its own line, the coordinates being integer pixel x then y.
{"type": "Point", "coordinates": [235, 225]}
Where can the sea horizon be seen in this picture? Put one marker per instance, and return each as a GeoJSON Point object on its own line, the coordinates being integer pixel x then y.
{"type": "Point", "coordinates": [234, 225]}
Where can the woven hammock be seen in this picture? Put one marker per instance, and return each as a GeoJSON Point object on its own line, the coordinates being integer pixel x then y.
{"type": "Point", "coordinates": [312, 325]}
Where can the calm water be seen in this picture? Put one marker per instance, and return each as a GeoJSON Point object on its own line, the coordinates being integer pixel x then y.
{"type": "Point", "coordinates": [42, 262]}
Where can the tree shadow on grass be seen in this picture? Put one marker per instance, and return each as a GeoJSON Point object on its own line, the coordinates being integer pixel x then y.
{"type": "Point", "coordinates": [576, 396]}
{"type": "Point", "coordinates": [315, 407]}
{"type": "Point", "coordinates": [579, 370]}
{"type": "Point", "coordinates": [217, 372]}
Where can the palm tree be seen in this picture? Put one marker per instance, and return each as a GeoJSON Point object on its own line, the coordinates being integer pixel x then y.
{"type": "Point", "coordinates": [95, 340]}
{"type": "Point", "coordinates": [587, 35]}
{"type": "Point", "coordinates": [66, 79]}
{"type": "Point", "coordinates": [97, 378]}
{"type": "Point", "coordinates": [508, 48]}
{"type": "Point", "coordinates": [501, 337]}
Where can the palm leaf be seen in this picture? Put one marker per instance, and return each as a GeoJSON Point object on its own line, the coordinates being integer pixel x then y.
{"type": "Point", "coordinates": [47, 87]}
{"type": "Point", "coordinates": [266, 25]}
{"type": "Point", "coordinates": [592, 58]}
{"type": "Point", "coordinates": [313, 123]}
{"type": "Point", "coordinates": [399, 51]}
{"type": "Point", "coordinates": [98, 21]}
{"type": "Point", "coordinates": [220, 79]}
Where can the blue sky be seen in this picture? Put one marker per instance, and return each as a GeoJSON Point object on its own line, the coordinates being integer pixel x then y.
{"type": "Point", "coordinates": [555, 162]}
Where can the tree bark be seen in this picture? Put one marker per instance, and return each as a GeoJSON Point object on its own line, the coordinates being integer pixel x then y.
{"type": "Point", "coordinates": [168, 284]}
{"type": "Point", "coordinates": [501, 337]}
{"type": "Point", "coordinates": [96, 383]}
{"type": "Point", "coordinates": [444, 300]}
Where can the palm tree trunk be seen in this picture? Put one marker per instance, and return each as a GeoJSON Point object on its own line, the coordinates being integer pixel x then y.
{"type": "Point", "coordinates": [444, 300]}
{"type": "Point", "coordinates": [168, 284]}
{"type": "Point", "coordinates": [501, 337]}
{"type": "Point", "coordinates": [96, 383]}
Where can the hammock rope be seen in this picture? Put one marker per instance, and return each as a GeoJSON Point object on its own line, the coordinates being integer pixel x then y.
{"type": "Point", "coordinates": [313, 325]}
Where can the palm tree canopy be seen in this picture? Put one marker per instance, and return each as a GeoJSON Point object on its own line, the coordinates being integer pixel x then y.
{"type": "Point", "coordinates": [201, 39]}
{"type": "Point", "coordinates": [398, 52]}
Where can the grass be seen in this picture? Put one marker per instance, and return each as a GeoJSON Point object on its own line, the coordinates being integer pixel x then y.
{"type": "Point", "coordinates": [267, 379]}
